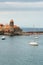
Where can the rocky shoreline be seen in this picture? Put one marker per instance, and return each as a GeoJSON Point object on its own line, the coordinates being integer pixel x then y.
{"type": "Point", "coordinates": [32, 33]}
{"type": "Point", "coordinates": [23, 33]}
{"type": "Point", "coordinates": [29, 33]}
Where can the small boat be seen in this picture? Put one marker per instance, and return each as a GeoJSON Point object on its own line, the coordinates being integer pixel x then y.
{"type": "Point", "coordinates": [33, 43]}
{"type": "Point", "coordinates": [36, 37]}
{"type": "Point", "coordinates": [3, 38]}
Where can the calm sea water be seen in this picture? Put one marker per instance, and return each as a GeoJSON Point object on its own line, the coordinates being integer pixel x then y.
{"type": "Point", "coordinates": [32, 29]}
{"type": "Point", "coordinates": [17, 51]}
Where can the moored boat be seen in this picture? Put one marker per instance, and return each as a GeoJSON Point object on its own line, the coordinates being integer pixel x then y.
{"type": "Point", "coordinates": [33, 43]}
{"type": "Point", "coordinates": [3, 38]}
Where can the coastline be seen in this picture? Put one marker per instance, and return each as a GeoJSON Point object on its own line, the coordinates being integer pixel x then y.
{"type": "Point", "coordinates": [23, 33]}
{"type": "Point", "coordinates": [31, 33]}
{"type": "Point", "coordinates": [14, 30]}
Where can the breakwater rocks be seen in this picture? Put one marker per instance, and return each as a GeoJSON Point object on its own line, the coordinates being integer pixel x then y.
{"type": "Point", "coordinates": [31, 33]}
{"type": "Point", "coordinates": [22, 33]}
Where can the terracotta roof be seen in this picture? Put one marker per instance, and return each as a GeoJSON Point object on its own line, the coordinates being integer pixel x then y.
{"type": "Point", "coordinates": [1, 24]}
{"type": "Point", "coordinates": [0, 27]}
{"type": "Point", "coordinates": [6, 26]}
{"type": "Point", "coordinates": [15, 26]}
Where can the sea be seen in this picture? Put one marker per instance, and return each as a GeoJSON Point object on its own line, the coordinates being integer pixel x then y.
{"type": "Point", "coordinates": [16, 50]}
{"type": "Point", "coordinates": [32, 29]}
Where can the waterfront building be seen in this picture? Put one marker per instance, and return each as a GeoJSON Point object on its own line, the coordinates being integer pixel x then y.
{"type": "Point", "coordinates": [10, 29]}
{"type": "Point", "coordinates": [1, 29]}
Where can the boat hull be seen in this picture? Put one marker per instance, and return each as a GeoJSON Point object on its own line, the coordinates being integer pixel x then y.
{"type": "Point", "coordinates": [33, 43]}
{"type": "Point", "coordinates": [3, 38]}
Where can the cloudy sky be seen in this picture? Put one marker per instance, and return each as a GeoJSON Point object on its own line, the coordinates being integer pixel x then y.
{"type": "Point", "coordinates": [25, 13]}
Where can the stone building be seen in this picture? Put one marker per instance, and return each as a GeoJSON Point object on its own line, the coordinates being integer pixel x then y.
{"type": "Point", "coordinates": [10, 29]}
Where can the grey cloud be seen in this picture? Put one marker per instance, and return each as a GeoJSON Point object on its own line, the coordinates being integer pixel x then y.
{"type": "Point", "coordinates": [20, 9]}
{"type": "Point", "coordinates": [10, 6]}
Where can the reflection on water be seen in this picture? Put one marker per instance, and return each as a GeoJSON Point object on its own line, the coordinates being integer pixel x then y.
{"type": "Point", "coordinates": [17, 51]}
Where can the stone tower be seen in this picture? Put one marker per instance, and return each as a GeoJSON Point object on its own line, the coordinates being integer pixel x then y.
{"type": "Point", "coordinates": [11, 22]}
{"type": "Point", "coordinates": [11, 27]}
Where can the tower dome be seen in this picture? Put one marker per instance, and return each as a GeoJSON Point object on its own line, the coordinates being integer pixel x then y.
{"type": "Point", "coordinates": [11, 22]}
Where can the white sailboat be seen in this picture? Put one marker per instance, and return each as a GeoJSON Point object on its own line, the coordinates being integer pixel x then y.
{"type": "Point", "coordinates": [3, 37]}
{"type": "Point", "coordinates": [36, 37]}
{"type": "Point", "coordinates": [34, 43]}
